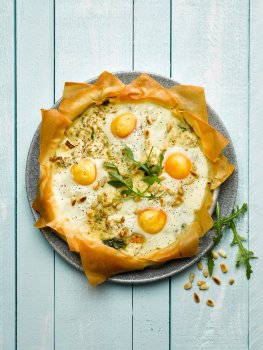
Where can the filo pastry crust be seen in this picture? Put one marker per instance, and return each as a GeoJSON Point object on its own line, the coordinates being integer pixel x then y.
{"type": "Point", "coordinates": [186, 102]}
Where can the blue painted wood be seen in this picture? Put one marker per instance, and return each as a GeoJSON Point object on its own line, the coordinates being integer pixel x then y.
{"type": "Point", "coordinates": [35, 259]}
{"type": "Point", "coordinates": [91, 37]}
{"type": "Point", "coordinates": [152, 54]}
{"type": "Point", "coordinates": [255, 175]}
{"type": "Point", "coordinates": [210, 48]}
{"type": "Point", "coordinates": [7, 178]}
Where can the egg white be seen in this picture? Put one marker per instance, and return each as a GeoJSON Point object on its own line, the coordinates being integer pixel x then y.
{"type": "Point", "coordinates": [65, 187]}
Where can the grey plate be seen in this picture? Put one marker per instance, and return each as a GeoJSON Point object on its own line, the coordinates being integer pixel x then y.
{"type": "Point", "coordinates": [226, 199]}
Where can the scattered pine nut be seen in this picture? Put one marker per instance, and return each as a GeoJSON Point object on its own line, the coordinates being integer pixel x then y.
{"type": "Point", "coordinates": [222, 253]}
{"type": "Point", "coordinates": [90, 213]}
{"type": "Point", "coordinates": [180, 191]}
{"type": "Point", "coordinates": [200, 282]}
{"type": "Point", "coordinates": [188, 285]}
{"type": "Point", "coordinates": [210, 303]}
{"type": "Point", "coordinates": [169, 127]}
{"type": "Point", "coordinates": [154, 117]}
{"type": "Point", "coordinates": [224, 267]}
{"type": "Point", "coordinates": [82, 199]}
{"type": "Point", "coordinates": [149, 120]}
{"type": "Point", "coordinates": [196, 298]}
{"type": "Point", "coordinates": [216, 280]}
{"type": "Point", "coordinates": [146, 133]}
{"type": "Point", "coordinates": [147, 144]}
{"type": "Point", "coordinates": [94, 205]}
{"type": "Point", "coordinates": [73, 201]}
{"type": "Point", "coordinates": [200, 266]}
{"type": "Point", "coordinates": [161, 188]}
{"type": "Point", "coordinates": [231, 281]}
{"type": "Point", "coordinates": [162, 202]}
{"type": "Point", "coordinates": [204, 286]}
{"type": "Point", "coordinates": [96, 186]}
{"type": "Point", "coordinates": [103, 181]}
{"type": "Point", "coordinates": [169, 191]}
{"type": "Point", "coordinates": [191, 277]}
{"type": "Point", "coordinates": [119, 206]}
{"type": "Point", "coordinates": [214, 254]}
{"type": "Point", "coordinates": [205, 273]}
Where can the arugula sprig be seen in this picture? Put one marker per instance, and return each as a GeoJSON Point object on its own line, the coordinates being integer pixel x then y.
{"type": "Point", "coordinates": [244, 255]}
{"type": "Point", "coordinates": [151, 172]}
{"type": "Point", "coordinates": [118, 181]}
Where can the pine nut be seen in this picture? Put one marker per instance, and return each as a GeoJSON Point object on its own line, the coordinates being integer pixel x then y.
{"type": "Point", "coordinates": [196, 298]}
{"type": "Point", "coordinates": [214, 254]}
{"type": "Point", "coordinates": [96, 186]}
{"type": "Point", "coordinates": [200, 266]}
{"type": "Point", "coordinates": [191, 277]}
{"type": "Point", "coordinates": [231, 281]}
{"type": "Point", "coordinates": [146, 133]}
{"type": "Point", "coordinates": [222, 253]}
{"type": "Point", "coordinates": [204, 286]}
{"type": "Point", "coordinates": [210, 303]}
{"type": "Point", "coordinates": [205, 273]}
{"type": "Point", "coordinates": [188, 285]}
{"type": "Point", "coordinates": [200, 282]}
{"type": "Point", "coordinates": [224, 267]}
{"type": "Point", "coordinates": [216, 280]}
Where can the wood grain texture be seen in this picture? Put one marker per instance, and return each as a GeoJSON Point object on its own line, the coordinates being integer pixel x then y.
{"type": "Point", "coordinates": [60, 41]}
{"type": "Point", "coordinates": [151, 54]}
{"type": "Point", "coordinates": [91, 36]}
{"type": "Point", "coordinates": [256, 175]}
{"type": "Point", "coordinates": [7, 179]}
{"type": "Point", "coordinates": [35, 258]}
{"type": "Point", "coordinates": [210, 48]}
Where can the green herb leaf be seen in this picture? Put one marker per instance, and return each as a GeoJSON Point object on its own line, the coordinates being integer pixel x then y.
{"type": "Point", "coordinates": [111, 166]}
{"type": "Point", "coordinates": [150, 180]}
{"type": "Point", "coordinates": [118, 177]}
{"type": "Point", "coordinates": [115, 183]}
{"type": "Point", "coordinates": [117, 180]}
{"type": "Point", "coordinates": [219, 226]}
{"type": "Point", "coordinates": [149, 171]}
{"type": "Point", "coordinates": [116, 243]}
{"type": "Point", "coordinates": [129, 153]}
{"type": "Point", "coordinates": [129, 182]}
{"type": "Point", "coordinates": [244, 255]}
{"type": "Point", "coordinates": [128, 192]}
{"type": "Point", "coordinates": [210, 263]}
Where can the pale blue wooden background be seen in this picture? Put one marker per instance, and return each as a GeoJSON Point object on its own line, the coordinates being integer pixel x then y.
{"type": "Point", "coordinates": [44, 302]}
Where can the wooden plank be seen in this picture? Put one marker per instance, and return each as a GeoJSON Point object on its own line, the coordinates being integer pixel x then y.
{"type": "Point", "coordinates": [151, 54]}
{"type": "Point", "coordinates": [7, 179]}
{"type": "Point", "coordinates": [255, 175]}
{"type": "Point", "coordinates": [35, 258]}
{"type": "Point", "coordinates": [91, 36]}
{"type": "Point", "coordinates": [210, 48]}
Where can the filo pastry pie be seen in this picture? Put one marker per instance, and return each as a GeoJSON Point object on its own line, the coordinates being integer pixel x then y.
{"type": "Point", "coordinates": [127, 173]}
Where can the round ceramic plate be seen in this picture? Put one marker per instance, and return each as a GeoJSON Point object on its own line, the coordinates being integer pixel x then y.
{"type": "Point", "coordinates": [226, 199]}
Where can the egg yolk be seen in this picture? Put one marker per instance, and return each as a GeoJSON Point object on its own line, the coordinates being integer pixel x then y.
{"type": "Point", "coordinates": [152, 220]}
{"type": "Point", "coordinates": [84, 173]}
{"type": "Point", "coordinates": [123, 125]}
{"type": "Point", "coordinates": [178, 166]}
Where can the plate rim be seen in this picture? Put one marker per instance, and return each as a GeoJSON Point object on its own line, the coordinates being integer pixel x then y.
{"type": "Point", "coordinates": [120, 278]}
